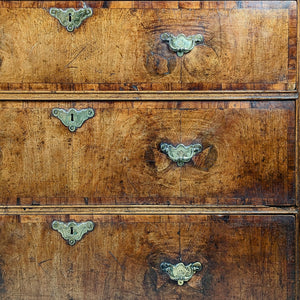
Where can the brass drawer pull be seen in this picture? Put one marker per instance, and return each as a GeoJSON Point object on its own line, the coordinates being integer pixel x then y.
{"type": "Point", "coordinates": [71, 18]}
{"type": "Point", "coordinates": [73, 118]}
{"type": "Point", "coordinates": [72, 232]}
{"type": "Point", "coordinates": [180, 43]}
{"type": "Point", "coordinates": [181, 153]}
{"type": "Point", "coordinates": [180, 272]}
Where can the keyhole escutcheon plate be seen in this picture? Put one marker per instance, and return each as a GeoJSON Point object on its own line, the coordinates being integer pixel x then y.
{"type": "Point", "coordinates": [71, 18]}
{"type": "Point", "coordinates": [73, 118]}
{"type": "Point", "coordinates": [72, 232]}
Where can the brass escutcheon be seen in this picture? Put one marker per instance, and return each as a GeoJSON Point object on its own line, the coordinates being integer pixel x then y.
{"type": "Point", "coordinates": [180, 154]}
{"type": "Point", "coordinates": [180, 272]}
{"type": "Point", "coordinates": [72, 232]}
{"type": "Point", "coordinates": [180, 43]}
{"type": "Point", "coordinates": [73, 118]}
{"type": "Point", "coordinates": [71, 18]}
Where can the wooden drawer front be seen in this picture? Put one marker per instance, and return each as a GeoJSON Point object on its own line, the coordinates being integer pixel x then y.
{"type": "Point", "coordinates": [115, 157]}
{"type": "Point", "coordinates": [247, 45]}
{"type": "Point", "coordinates": [251, 257]}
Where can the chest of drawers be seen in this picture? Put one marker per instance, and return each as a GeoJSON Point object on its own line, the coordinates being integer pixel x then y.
{"type": "Point", "coordinates": [149, 150]}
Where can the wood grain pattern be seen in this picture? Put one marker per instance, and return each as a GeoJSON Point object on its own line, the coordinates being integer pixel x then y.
{"type": "Point", "coordinates": [248, 155]}
{"type": "Point", "coordinates": [120, 48]}
{"type": "Point", "coordinates": [249, 257]}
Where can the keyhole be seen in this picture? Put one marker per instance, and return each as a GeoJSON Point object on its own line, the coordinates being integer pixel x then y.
{"type": "Point", "coordinates": [70, 17]}
{"type": "Point", "coordinates": [72, 117]}
{"type": "Point", "coordinates": [71, 230]}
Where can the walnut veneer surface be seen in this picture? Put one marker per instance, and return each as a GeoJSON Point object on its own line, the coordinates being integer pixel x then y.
{"type": "Point", "coordinates": [233, 207]}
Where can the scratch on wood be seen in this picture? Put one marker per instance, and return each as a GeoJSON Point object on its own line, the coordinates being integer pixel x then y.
{"type": "Point", "coordinates": [76, 56]}
{"type": "Point", "coordinates": [43, 261]}
{"type": "Point", "coordinates": [121, 266]}
{"type": "Point", "coordinates": [32, 48]}
{"type": "Point", "coordinates": [130, 182]}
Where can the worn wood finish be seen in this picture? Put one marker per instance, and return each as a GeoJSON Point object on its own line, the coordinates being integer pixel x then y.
{"type": "Point", "coordinates": [234, 208]}
{"type": "Point", "coordinates": [245, 257]}
{"type": "Point", "coordinates": [247, 46]}
{"type": "Point", "coordinates": [114, 158]}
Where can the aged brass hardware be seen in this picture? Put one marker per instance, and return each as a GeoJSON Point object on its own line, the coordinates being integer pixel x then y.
{"type": "Point", "coordinates": [180, 43]}
{"type": "Point", "coordinates": [181, 153]}
{"type": "Point", "coordinates": [72, 232]}
{"type": "Point", "coordinates": [180, 272]}
{"type": "Point", "coordinates": [71, 18]}
{"type": "Point", "coordinates": [73, 118]}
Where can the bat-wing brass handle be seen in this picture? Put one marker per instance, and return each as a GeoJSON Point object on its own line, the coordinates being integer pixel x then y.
{"type": "Point", "coordinates": [180, 43]}
{"type": "Point", "coordinates": [180, 272]}
{"type": "Point", "coordinates": [180, 153]}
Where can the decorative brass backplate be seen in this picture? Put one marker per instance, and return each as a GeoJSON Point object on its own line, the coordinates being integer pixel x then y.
{"type": "Point", "coordinates": [181, 153]}
{"type": "Point", "coordinates": [72, 232]}
{"type": "Point", "coordinates": [180, 272]}
{"type": "Point", "coordinates": [73, 118]}
{"type": "Point", "coordinates": [71, 18]}
{"type": "Point", "coordinates": [180, 43]}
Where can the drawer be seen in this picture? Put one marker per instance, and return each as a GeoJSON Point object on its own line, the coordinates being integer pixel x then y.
{"type": "Point", "coordinates": [249, 257]}
{"type": "Point", "coordinates": [248, 153]}
{"type": "Point", "coordinates": [248, 45]}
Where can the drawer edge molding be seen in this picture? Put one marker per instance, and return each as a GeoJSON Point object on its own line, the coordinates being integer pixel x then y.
{"type": "Point", "coordinates": [146, 210]}
{"type": "Point", "coordinates": [145, 95]}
